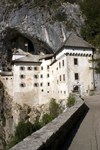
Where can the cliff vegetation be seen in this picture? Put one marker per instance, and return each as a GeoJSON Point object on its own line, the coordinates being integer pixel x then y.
{"type": "Point", "coordinates": [90, 31]}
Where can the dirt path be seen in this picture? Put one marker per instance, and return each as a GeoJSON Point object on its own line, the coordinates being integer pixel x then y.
{"type": "Point", "coordinates": [86, 134]}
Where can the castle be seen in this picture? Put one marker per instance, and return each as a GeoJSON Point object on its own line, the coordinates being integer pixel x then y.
{"type": "Point", "coordinates": [35, 79]}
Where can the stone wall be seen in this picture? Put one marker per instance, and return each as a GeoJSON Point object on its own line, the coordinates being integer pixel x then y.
{"type": "Point", "coordinates": [53, 134]}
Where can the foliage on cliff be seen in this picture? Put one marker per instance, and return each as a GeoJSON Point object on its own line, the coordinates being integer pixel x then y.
{"type": "Point", "coordinates": [91, 29]}
{"type": "Point", "coordinates": [48, 4]}
{"type": "Point", "coordinates": [71, 101]}
{"type": "Point", "coordinates": [25, 129]}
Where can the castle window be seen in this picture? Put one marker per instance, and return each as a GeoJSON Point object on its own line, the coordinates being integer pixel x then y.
{"type": "Point", "coordinates": [41, 67]}
{"type": "Point", "coordinates": [59, 64]}
{"type": "Point", "coordinates": [36, 76]}
{"type": "Point", "coordinates": [36, 84]}
{"type": "Point", "coordinates": [41, 76]}
{"type": "Point", "coordinates": [47, 67]}
{"type": "Point", "coordinates": [63, 77]}
{"type": "Point", "coordinates": [22, 68]}
{"type": "Point", "coordinates": [76, 76]}
{"type": "Point", "coordinates": [6, 78]}
{"type": "Point", "coordinates": [41, 84]}
{"type": "Point", "coordinates": [29, 68]}
{"type": "Point", "coordinates": [48, 75]}
{"type": "Point", "coordinates": [60, 77]}
{"type": "Point", "coordinates": [42, 90]}
{"type": "Point", "coordinates": [22, 76]}
{"type": "Point", "coordinates": [64, 92]}
{"type": "Point", "coordinates": [22, 84]}
{"type": "Point", "coordinates": [36, 68]}
{"type": "Point", "coordinates": [48, 83]}
{"type": "Point", "coordinates": [75, 61]}
{"type": "Point", "coordinates": [62, 62]}
{"type": "Point", "coordinates": [47, 91]}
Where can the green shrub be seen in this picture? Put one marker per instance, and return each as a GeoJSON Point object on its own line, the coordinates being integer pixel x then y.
{"type": "Point", "coordinates": [37, 125]}
{"type": "Point", "coordinates": [54, 108]}
{"type": "Point", "coordinates": [22, 130]}
{"type": "Point", "coordinates": [59, 16]}
{"type": "Point", "coordinates": [25, 129]}
{"type": "Point", "coordinates": [1, 85]}
{"type": "Point", "coordinates": [3, 121]}
{"type": "Point", "coordinates": [70, 101]}
{"type": "Point", "coordinates": [47, 118]}
{"type": "Point", "coordinates": [91, 92]}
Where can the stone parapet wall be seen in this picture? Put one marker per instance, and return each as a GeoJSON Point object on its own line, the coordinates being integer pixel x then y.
{"type": "Point", "coordinates": [51, 136]}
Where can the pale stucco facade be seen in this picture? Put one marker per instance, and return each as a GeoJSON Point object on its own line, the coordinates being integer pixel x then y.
{"type": "Point", "coordinates": [37, 79]}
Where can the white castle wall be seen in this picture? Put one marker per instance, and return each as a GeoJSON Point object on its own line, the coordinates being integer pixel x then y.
{"type": "Point", "coordinates": [49, 84]}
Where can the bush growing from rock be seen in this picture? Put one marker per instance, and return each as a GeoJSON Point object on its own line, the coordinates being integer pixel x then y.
{"type": "Point", "coordinates": [70, 100]}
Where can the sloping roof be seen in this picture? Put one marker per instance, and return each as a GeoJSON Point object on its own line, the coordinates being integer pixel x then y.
{"type": "Point", "coordinates": [29, 58]}
{"type": "Point", "coordinates": [46, 56]}
{"type": "Point", "coordinates": [76, 41]}
{"type": "Point", "coordinates": [19, 52]}
{"type": "Point", "coordinates": [6, 73]}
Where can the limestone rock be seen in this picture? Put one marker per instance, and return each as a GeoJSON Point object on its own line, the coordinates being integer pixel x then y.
{"type": "Point", "coordinates": [37, 26]}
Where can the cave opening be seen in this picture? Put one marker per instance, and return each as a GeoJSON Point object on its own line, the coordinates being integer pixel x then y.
{"type": "Point", "coordinates": [20, 41]}
{"type": "Point", "coordinates": [14, 39]}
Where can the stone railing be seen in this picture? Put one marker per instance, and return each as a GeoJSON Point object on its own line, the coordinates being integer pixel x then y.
{"type": "Point", "coordinates": [51, 136]}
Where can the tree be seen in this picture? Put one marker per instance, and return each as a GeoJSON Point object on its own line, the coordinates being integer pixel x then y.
{"type": "Point", "coordinates": [90, 31]}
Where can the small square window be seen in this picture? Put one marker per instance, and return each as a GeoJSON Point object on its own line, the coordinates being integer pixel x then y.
{"type": "Point", "coordinates": [76, 76]}
{"type": "Point", "coordinates": [48, 75]}
{"type": "Point", "coordinates": [47, 91]}
{"type": "Point", "coordinates": [75, 61]}
{"type": "Point", "coordinates": [22, 84]}
{"type": "Point", "coordinates": [22, 68]}
{"type": "Point", "coordinates": [36, 68]}
{"type": "Point", "coordinates": [41, 67]}
{"type": "Point", "coordinates": [60, 77]}
{"type": "Point", "coordinates": [63, 77]}
{"type": "Point", "coordinates": [41, 76]}
{"type": "Point", "coordinates": [41, 84]}
{"type": "Point", "coordinates": [6, 78]}
{"type": "Point", "coordinates": [42, 90]}
{"type": "Point", "coordinates": [36, 76]}
{"type": "Point", "coordinates": [62, 62]}
{"type": "Point", "coordinates": [48, 83]}
{"type": "Point", "coordinates": [29, 68]}
{"type": "Point", "coordinates": [22, 76]}
{"type": "Point", "coordinates": [47, 67]}
{"type": "Point", "coordinates": [36, 84]}
{"type": "Point", "coordinates": [59, 64]}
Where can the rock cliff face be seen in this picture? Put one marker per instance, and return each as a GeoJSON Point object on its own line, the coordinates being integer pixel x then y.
{"type": "Point", "coordinates": [43, 29]}
{"type": "Point", "coordinates": [12, 113]}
